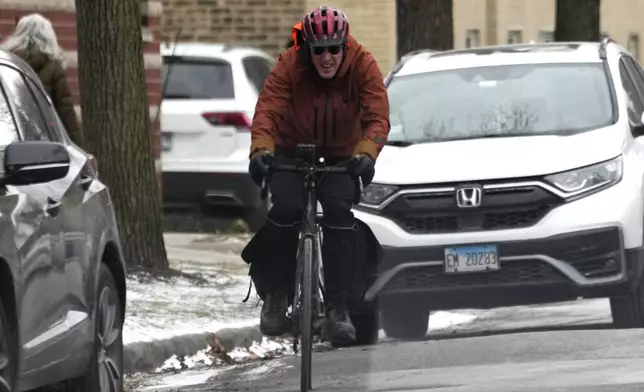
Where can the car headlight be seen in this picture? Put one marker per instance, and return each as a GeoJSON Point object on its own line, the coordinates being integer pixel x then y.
{"type": "Point", "coordinates": [375, 194]}
{"type": "Point", "coordinates": [588, 178]}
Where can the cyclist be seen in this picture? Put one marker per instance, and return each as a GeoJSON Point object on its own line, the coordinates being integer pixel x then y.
{"type": "Point", "coordinates": [326, 90]}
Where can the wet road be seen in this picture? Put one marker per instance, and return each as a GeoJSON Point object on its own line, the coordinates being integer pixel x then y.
{"type": "Point", "coordinates": [593, 360]}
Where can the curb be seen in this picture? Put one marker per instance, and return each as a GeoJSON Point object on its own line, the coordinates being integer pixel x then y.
{"type": "Point", "coordinates": [145, 357]}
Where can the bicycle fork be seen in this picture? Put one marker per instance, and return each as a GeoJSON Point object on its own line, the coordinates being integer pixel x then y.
{"type": "Point", "coordinates": [319, 299]}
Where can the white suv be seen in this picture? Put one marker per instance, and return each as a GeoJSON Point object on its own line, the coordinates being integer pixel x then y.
{"type": "Point", "coordinates": [209, 98]}
{"type": "Point", "coordinates": [513, 175]}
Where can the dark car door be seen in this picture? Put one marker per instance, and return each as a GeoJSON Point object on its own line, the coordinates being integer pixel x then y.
{"type": "Point", "coordinates": [79, 209]}
{"type": "Point", "coordinates": [46, 313]}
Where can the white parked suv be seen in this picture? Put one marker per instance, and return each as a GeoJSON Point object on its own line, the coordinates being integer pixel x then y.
{"type": "Point", "coordinates": [209, 98]}
{"type": "Point", "coordinates": [513, 175]}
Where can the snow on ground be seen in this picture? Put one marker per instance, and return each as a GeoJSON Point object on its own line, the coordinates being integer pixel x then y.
{"type": "Point", "coordinates": [207, 300]}
{"type": "Point", "coordinates": [211, 299]}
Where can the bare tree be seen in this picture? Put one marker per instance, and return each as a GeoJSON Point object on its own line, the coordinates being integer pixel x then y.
{"type": "Point", "coordinates": [116, 120]}
{"type": "Point", "coordinates": [577, 20]}
{"type": "Point", "coordinates": [424, 24]}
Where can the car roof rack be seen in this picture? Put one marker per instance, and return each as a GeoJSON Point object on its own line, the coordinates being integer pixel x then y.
{"type": "Point", "coordinates": [603, 44]}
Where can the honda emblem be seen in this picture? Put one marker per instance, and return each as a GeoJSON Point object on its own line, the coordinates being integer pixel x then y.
{"type": "Point", "coordinates": [470, 197]}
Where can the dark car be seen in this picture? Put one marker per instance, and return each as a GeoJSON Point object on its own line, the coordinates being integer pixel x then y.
{"type": "Point", "coordinates": [62, 275]}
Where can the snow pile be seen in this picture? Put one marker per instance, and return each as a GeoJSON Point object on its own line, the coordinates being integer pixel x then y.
{"type": "Point", "coordinates": [215, 355]}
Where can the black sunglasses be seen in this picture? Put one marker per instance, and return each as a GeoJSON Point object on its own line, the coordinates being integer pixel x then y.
{"type": "Point", "coordinates": [318, 50]}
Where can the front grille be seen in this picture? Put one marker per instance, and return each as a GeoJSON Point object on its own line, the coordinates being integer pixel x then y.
{"type": "Point", "coordinates": [511, 272]}
{"type": "Point", "coordinates": [508, 208]}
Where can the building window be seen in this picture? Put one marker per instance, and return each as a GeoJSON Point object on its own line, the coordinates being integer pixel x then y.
{"type": "Point", "coordinates": [515, 37]}
{"type": "Point", "coordinates": [472, 38]}
{"type": "Point", "coordinates": [633, 45]}
{"type": "Point", "coordinates": [546, 36]}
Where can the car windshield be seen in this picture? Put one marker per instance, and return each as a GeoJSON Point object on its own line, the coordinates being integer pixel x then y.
{"type": "Point", "coordinates": [499, 101]}
{"type": "Point", "coordinates": [187, 78]}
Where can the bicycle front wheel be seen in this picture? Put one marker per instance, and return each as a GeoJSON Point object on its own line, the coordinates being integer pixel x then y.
{"type": "Point", "coordinates": [306, 315]}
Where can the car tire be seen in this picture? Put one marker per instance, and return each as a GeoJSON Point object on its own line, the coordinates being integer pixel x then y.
{"type": "Point", "coordinates": [628, 312]}
{"type": "Point", "coordinates": [405, 323]}
{"type": "Point", "coordinates": [367, 327]}
{"type": "Point", "coordinates": [8, 360]}
{"type": "Point", "coordinates": [107, 356]}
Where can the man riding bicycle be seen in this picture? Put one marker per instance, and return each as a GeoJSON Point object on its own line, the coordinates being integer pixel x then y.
{"type": "Point", "coordinates": [328, 91]}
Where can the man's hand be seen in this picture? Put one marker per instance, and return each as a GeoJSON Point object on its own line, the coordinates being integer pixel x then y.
{"type": "Point", "coordinates": [258, 167]}
{"type": "Point", "coordinates": [364, 167]}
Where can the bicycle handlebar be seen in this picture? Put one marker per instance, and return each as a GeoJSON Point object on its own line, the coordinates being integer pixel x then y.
{"type": "Point", "coordinates": [304, 168]}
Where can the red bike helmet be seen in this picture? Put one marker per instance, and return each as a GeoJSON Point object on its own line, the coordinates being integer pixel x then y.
{"type": "Point", "coordinates": [325, 26]}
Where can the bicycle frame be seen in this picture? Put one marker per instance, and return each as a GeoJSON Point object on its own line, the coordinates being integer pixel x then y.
{"type": "Point", "coordinates": [308, 297]}
{"type": "Point", "coordinates": [311, 228]}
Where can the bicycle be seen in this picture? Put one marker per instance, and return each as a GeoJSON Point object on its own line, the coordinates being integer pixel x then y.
{"type": "Point", "coordinates": [308, 301]}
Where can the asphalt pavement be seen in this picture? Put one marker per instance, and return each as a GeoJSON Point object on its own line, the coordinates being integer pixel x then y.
{"type": "Point", "coordinates": [592, 360]}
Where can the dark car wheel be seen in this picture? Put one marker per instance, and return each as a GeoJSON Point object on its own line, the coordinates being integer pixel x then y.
{"type": "Point", "coordinates": [367, 328]}
{"type": "Point", "coordinates": [7, 354]}
{"type": "Point", "coordinates": [105, 371]}
{"type": "Point", "coordinates": [405, 323]}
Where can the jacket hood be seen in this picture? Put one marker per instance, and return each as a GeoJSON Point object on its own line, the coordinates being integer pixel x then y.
{"type": "Point", "coordinates": [295, 33]}
{"type": "Point", "coordinates": [353, 49]}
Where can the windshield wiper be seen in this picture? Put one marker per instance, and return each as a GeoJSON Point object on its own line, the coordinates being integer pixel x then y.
{"type": "Point", "coordinates": [399, 143]}
{"type": "Point", "coordinates": [177, 96]}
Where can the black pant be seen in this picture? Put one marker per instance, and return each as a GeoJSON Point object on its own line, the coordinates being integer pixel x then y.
{"type": "Point", "coordinates": [336, 193]}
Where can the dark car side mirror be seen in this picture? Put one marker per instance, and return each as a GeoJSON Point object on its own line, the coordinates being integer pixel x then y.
{"type": "Point", "coordinates": [34, 162]}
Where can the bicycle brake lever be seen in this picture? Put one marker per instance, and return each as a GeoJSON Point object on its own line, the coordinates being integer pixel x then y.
{"type": "Point", "coordinates": [264, 192]}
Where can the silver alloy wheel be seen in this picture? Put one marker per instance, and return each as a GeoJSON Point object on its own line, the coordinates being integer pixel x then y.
{"type": "Point", "coordinates": [109, 332]}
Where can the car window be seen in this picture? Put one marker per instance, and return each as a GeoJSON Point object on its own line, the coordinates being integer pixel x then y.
{"type": "Point", "coordinates": [518, 99]}
{"type": "Point", "coordinates": [191, 78]}
{"type": "Point", "coordinates": [257, 70]}
{"type": "Point", "coordinates": [634, 100]}
{"type": "Point", "coordinates": [28, 112]}
{"type": "Point", "coordinates": [48, 111]}
{"type": "Point", "coordinates": [8, 128]}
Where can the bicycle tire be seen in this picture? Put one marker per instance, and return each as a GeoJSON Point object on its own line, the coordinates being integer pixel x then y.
{"type": "Point", "coordinates": [306, 315]}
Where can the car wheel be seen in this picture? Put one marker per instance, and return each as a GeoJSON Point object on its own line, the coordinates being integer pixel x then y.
{"type": "Point", "coordinates": [105, 371]}
{"type": "Point", "coordinates": [628, 312]}
{"type": "Point", "coordinates": [367, 328]}
{"type": "Point", "coordinates": [7, 354]}
{"type": "Point", "coordinates": [405, 323]}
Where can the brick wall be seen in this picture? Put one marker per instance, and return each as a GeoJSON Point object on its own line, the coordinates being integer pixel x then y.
{"type": "Point", "coordinates": [373, 23]}
{"type": "Point", "coordinates": [536, 18]}
{"type": "Point", "coordinates": [265, 24]}
{"type": "Point", "coordinates": [63, 17]}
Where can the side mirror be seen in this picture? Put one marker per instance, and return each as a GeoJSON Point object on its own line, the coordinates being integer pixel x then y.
{"type": "Point", "coordinates": [34, 162]}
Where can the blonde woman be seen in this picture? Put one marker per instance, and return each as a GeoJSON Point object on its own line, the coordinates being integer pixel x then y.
{"type": "Point", "coordinates": [35, 41]}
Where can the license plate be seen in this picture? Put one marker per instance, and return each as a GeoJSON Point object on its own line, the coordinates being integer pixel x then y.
{"type": "Point", "coordinates": [471, 259]}
{"type": "Point", "coordinates": [166, 141]}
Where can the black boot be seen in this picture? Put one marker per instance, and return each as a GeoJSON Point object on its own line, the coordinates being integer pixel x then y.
{"type": "Point", "coordinates": [339, 328]}
{"type": "Point", "coordinates": [273, 317]}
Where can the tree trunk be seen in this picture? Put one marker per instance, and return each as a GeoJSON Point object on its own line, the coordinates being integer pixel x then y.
{"type": "Point", "coordinates": [424, 24]}
{"type": "Point", "coordinates": [577, 20]}
{"type": "Point", "coordinates": [116, 120]}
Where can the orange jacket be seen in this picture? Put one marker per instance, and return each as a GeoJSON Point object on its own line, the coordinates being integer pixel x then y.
{"type": "Point", "coordinates": [344, 116]}
{"type": "Point", "coordinates": [296, 33]}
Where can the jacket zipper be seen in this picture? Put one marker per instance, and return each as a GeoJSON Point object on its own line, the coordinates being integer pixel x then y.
{"type": "Point", "coordinates": [315, 124]}
{"type": "Point", "coordinates": [334, 122]}
{"type": "Point", "coordinates": [325, 122]}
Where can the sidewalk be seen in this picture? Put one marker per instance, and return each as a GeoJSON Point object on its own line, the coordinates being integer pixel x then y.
{"type": "Point", "coordinates": [173, 315]}
{"type": "Point", "coordinates": [199, 309]}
